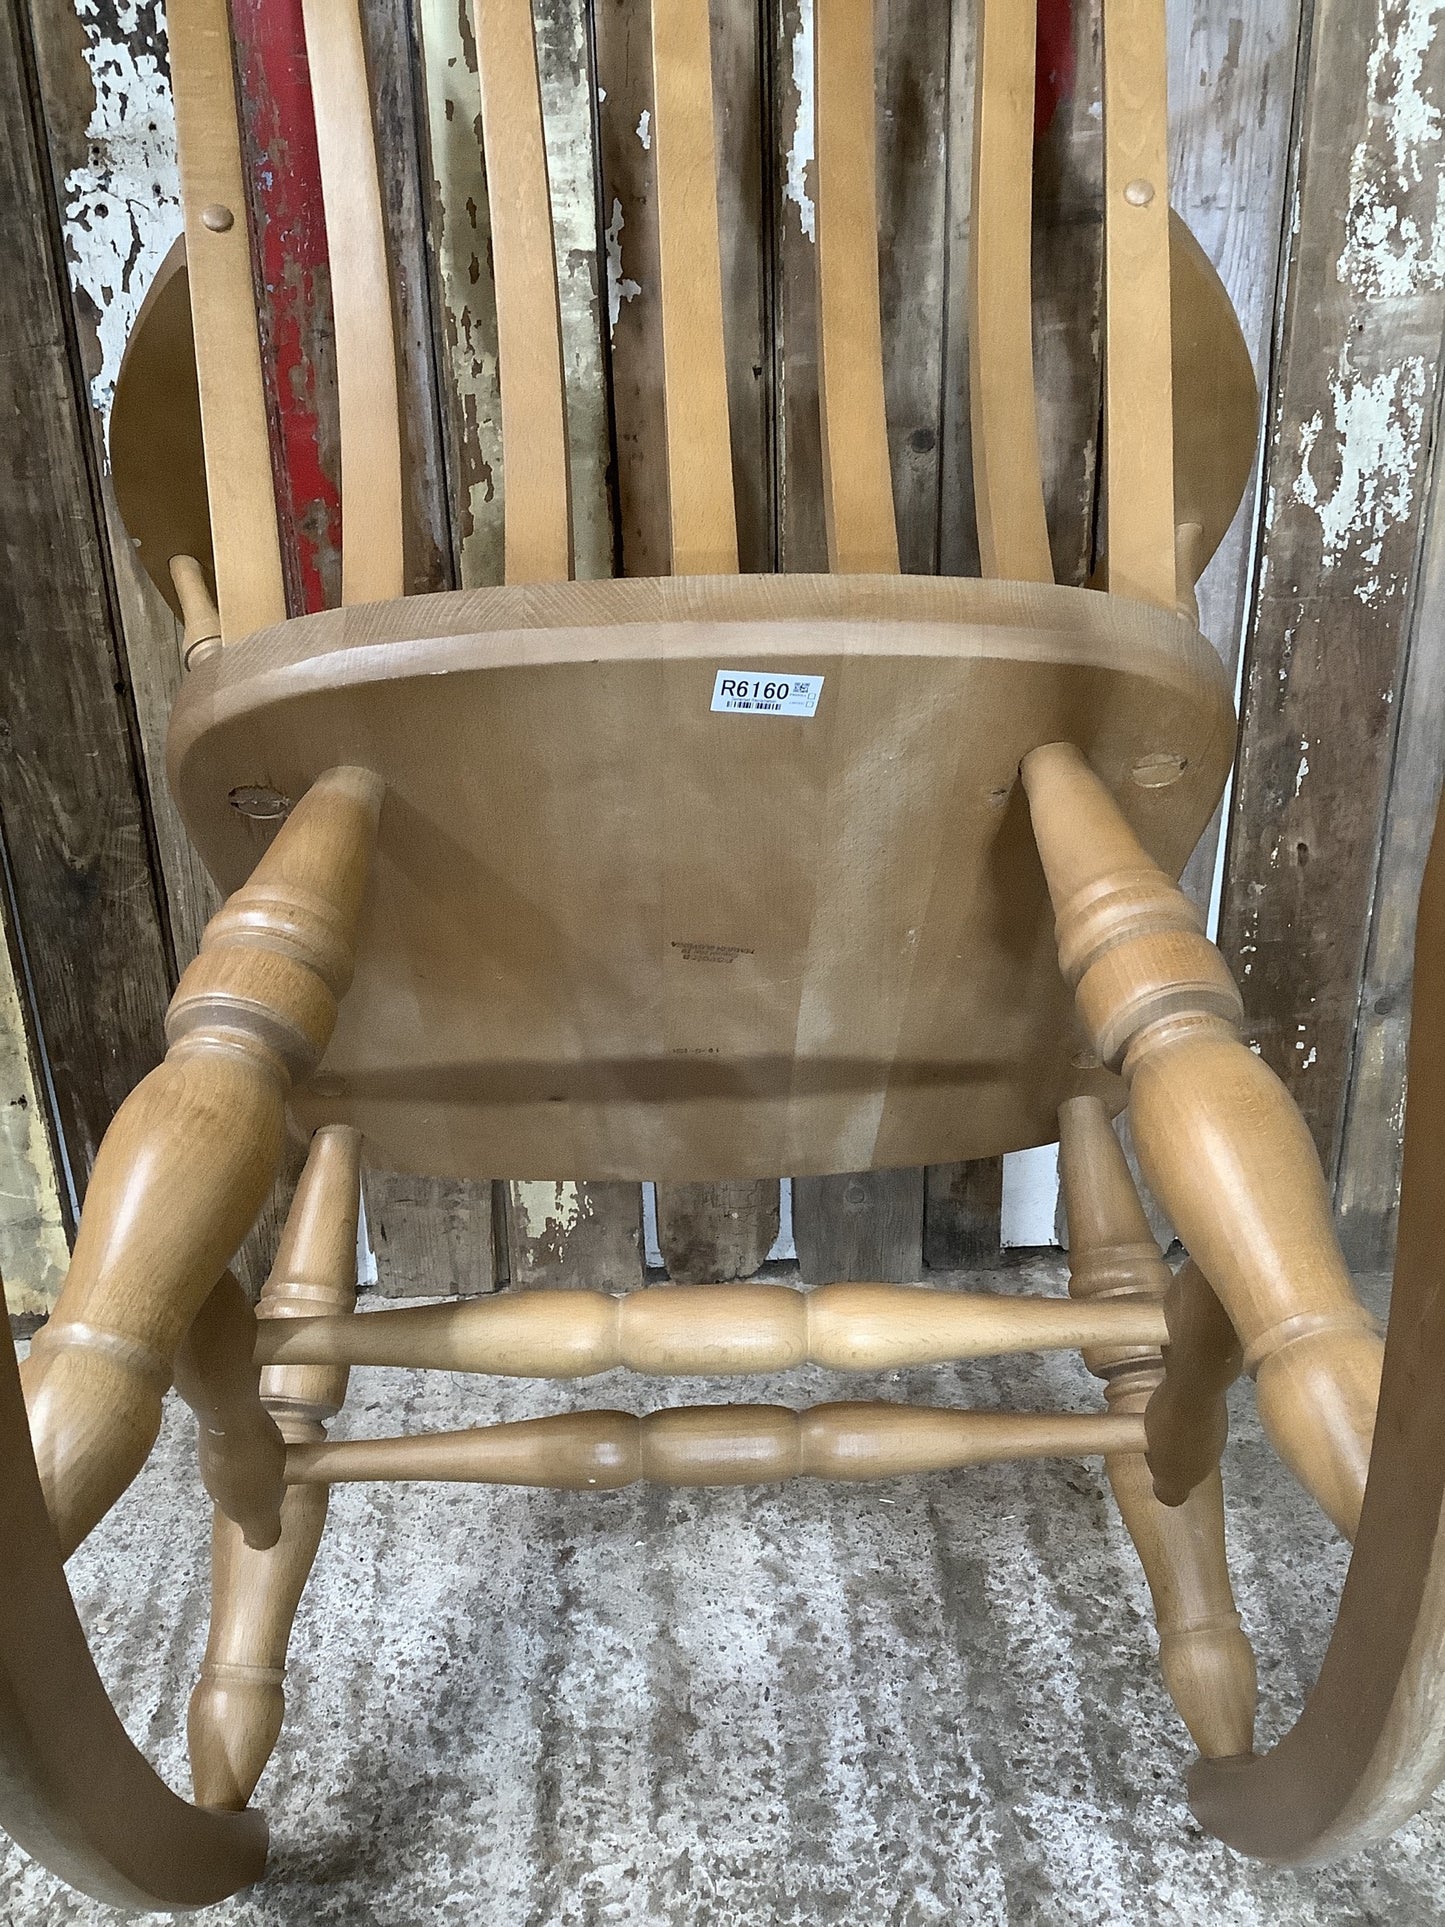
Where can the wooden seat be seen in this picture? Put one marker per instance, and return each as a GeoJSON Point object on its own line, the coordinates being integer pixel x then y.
{"type": "Point", "coordinates": [713, 876]}
{"type": "Point", "coordinates": [768, 943]}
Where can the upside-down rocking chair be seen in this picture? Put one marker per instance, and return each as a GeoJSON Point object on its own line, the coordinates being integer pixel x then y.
{"type": "Point", "coordinates": [890, 883]}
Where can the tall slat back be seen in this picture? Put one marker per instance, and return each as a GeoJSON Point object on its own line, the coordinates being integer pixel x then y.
{"type": "Point", "coordinates": [537, 515]}
{"type": "Point", "coordinates": [1013, 536]}
{"type": "Point", "coordinates": [702, 511]}
{"type": "Point", "coordinates": [857, 477]}
{"type": "Point", "coordinates": [249, 585]}
{"type": "Point", "coordinates": [1138, 385]}
{"type": "Point", "coordinates": [372, 565]}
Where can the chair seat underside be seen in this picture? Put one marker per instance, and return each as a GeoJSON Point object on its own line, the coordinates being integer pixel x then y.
{"type": "Point", "coordinates": [619, 931]}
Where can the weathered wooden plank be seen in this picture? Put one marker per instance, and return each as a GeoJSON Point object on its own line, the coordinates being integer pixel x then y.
{"type": "Point", "coordinates": [1368, 1192]}
{"type": "Point", "coordinates": [561, 1234]}
{"type": "Point", "coordinates": [961, 1206]}
{"type": "Point", "coordinates": [864, 1225]}
{"type": "Point", "coordinates": [709, 1233]}
{"type": "Point", "coordinates": [33, 1250]}
{"type": "Point", "coordinates": [463, 301]}
{"type": "Point", "coordinates": [1349, 442]}
{"type": "Point", "coordinates": [565, 70]}
{"type": "Point", "coordinates": [71, 799]}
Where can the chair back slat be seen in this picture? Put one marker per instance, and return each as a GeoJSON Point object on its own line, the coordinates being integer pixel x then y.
{"type": "Point", "coordinates": [702, 510]}
{"type": "Point", "coordinates": [250, 587]}
{"type": "Point", "coordinates": [536, 474]}
{"type": "Point", "coordinates": [1013, 536]}
{"type": "Point", "coordinates": [1138, 383]}
{"type": "Point", "coordinates": [857, 478]}
{"type": "Point", "coordinates": [372, 566]}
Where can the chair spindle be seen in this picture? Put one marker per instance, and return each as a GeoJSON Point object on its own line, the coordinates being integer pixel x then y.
{"type": "Point", "coordinates": [857, 476]}
{"type": "Point", "coordinates": [372, 514]}
{"type": "Point", "coordinates": [246, 542]}
{"type": "Point", "coordinates": [718, 1445]}
{"type": "Point", "coordinates": [1221, 1143]}
{"type": "Point", "coordinates": [1206, 1660]}
{"type": "Point", "coordinates": [191, 1154]}
{"type": "Point", "coordinates": [239, 1702]}
{"type": "Point", "coordinates": [243, 1456]}
{"type": "Point", "coordinates": [1013, 535]}
{"type": "Point", "coordinates": [708, 1329]}
{"type": "Point", "coordinates": [1187, 1421]}
{"type": "Point", "coordinates": [536, 473]}
{"type": "Point", "coordinates": [1140, 558]}
{"type": "Point", "coordinates": [702, 511]}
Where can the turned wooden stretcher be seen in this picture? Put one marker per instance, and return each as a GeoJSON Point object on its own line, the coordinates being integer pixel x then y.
{"type": "Point", "coordinates": [711, 876]}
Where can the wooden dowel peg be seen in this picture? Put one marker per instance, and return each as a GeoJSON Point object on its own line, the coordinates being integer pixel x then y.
{"type": "Point", "coordinates": [239, 1703]}
{"type": "Point", "coordinates": [1206, 1660]}
{"type": "Point", "coordinates": [1187, 1421]}
{"type": "Point", "coordinates": [716, 1445]}
{"type": "Point", "coordinates": [202, 634]}
{"type": "Point", "coordinates": [708, 1329]}
{"type": "Point", "coordinates": [1220, 1140]}
{"type": "Point", "coordinates": [243, 1456]}
{"type": "Point", "coordinates": [189, 1159]}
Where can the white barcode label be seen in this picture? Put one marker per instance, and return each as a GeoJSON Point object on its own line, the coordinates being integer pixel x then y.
{"type": "Point", "coordinates": [744, 693]}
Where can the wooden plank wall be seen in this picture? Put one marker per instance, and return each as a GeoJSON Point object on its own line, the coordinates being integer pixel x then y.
{"type": "Point", "coordinates": [1307, 142]}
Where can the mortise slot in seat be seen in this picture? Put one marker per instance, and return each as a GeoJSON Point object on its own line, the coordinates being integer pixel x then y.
{"type": "Point", "coordinates": [705, 1329]}
{"type": "Point", "coordinates": [717, 1445]}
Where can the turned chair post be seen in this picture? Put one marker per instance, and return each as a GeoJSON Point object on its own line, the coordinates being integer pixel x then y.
{"type": "Point", "coordinates": [1220, 1141]}
{"type": "Point", "coordinates": [192, 1153]}
{"type": "Point", "coordinates": [1206, 1660]}
{"type": "Point", "coordinates": [239, 1703]}
{"type": "Point", "coordinates": [1187, 1422]}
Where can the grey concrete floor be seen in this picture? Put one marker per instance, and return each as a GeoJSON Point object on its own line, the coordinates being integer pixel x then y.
{"type": "Point", "coordinates": [917, 1702]}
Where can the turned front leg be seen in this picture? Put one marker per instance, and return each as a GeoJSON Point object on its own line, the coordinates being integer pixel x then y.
{"type": "Point", "coordinates": [238, 1706]}
{"type": "Point", "coordinates": [1206, 1660]}
{"type": "Point", "coordinates": [1221, 1142]}
{"type": "Point", "coordinates": [191, 1154]}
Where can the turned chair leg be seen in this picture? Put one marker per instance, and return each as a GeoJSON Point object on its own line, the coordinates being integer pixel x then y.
{"type": "Point", "coordinates": [238, 1706]}
{"type": "Point", "coordinates": [1206, 1660]}
{"type": "Point", "coordinates": [1221, 1143]}
{"type": "Point", "coordinates": [191, 1154]}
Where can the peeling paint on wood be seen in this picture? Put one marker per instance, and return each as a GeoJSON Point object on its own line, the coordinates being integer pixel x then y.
{"type": "Point", "coordinates": [583, 1235]}
{"type": "Point", "coordinates": [34, 1255]}
{"type": "Point", "coordinates": [1356, 393]}
{"type": "Point", "coordinates": [120, 200]}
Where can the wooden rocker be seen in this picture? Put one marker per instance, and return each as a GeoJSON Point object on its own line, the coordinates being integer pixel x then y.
{"type": "Point", "coordinates": [893, 885]}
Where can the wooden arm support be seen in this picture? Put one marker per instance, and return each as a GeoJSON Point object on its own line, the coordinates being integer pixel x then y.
{"type": "Point", "coordinates": [1206, 1660]}
{"type": "Point", "coordinates": [1220, 1141]}
{"type": "Point", "coordinates": [707, 1329]}
{"type": "Point", "coordinates": [243, 1456]}
{"type": "Point", "coordinates": [191, 1154]}
{"type": "Point", "coordinates": [716, 1445]}
{"type": "Point", "coordinates": [1186, 1420]}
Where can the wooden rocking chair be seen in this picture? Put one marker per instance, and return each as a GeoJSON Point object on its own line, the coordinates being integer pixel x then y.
{"type": "Point", "coordinates": [712, 876]}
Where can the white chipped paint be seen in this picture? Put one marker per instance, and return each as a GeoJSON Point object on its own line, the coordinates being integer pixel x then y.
{"type": "Point", "coordinates": [122, 207]}
{"type": "Point", "coordinates": [548, 1210]}
{"type": "Point", "coordinates": [801, 148]}
{"type": "Point", "coordinates": [619, 287]}
{"type": "Point", "coordinates": [1390, 250]}
{"type": "Point", "coordinates": [1304, 764]}
{"type": "Point", "coordinates": [644, 130]}
{"type": "Point", "coordinates": [1357, 471]}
